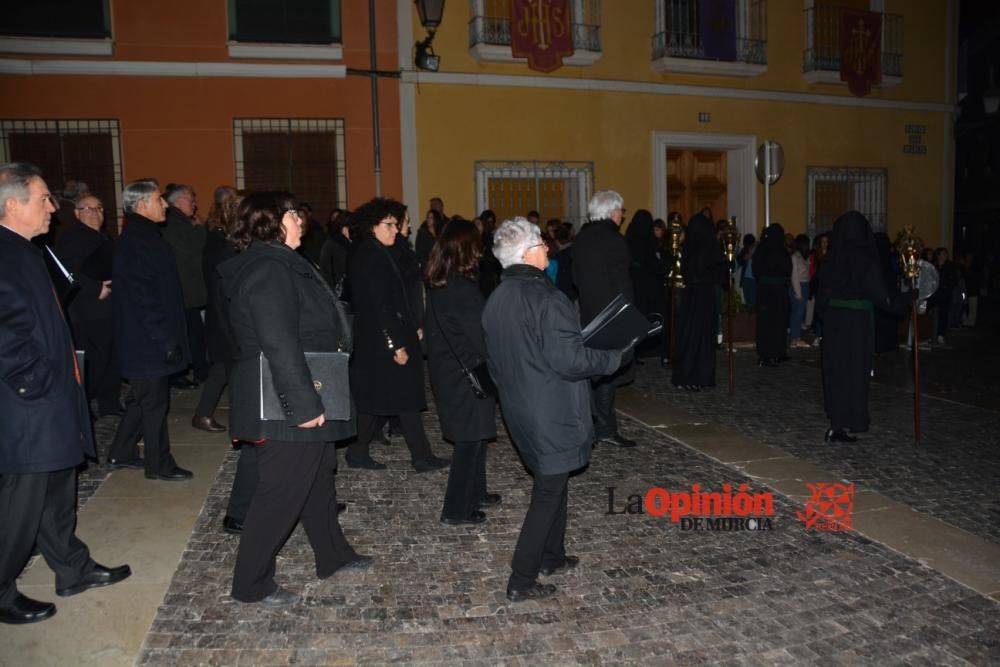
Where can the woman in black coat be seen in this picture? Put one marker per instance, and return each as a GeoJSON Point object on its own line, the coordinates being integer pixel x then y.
{"type": "Point", "coordinates": [455, 341]}
{"type": "Point", "coordinates": [703, 268]}
{"type": "Point", "coordinates": [279, 306]}
{"type": "Point", "coordinates": [852, 288]}
{"type": "Point", "coordinates": [772, 269]}
{"type": "Point", "coordinates": [387, 369]}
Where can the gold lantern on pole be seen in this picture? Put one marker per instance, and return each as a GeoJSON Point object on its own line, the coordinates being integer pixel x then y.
{"type": "Point", "coordinates": [675, 226]}
{"type": "Point", "coordinates": [910, 247]}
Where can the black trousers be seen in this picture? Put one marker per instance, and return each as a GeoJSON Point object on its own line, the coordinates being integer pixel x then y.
{"type": "Point", "coordinates": [211, 390]}
{"type": "Point", "coordinates": [295, 480]}
{"type": "Point", "coordinates": [196, 340]}
{"type": "Point", "coordinates": [541, 540]}
{"type": "Point", "coordinates": [603, 406]}
{"type": "Point", "coordinates": [146, 407]}
{"type": "Point", "coordinates": [103, 381]}
{"type": "Point", "coordinates": [413, 433]}
{"type": "Point", "coordinates": [466, 480]}
{"type": "Point", "coordinates": [244, 483]}
{"type": "Point", "coordinates": [40, 508]}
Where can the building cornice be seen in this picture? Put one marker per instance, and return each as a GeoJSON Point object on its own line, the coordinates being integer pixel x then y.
{"type": "Point", "coordinates": [167, 68]}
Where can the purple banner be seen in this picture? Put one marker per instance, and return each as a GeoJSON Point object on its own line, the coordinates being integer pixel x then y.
{"type": "Point", "coordinates": [717, 25]}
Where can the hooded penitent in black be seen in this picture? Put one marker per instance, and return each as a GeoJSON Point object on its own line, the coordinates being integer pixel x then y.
{"type": "Point", "coordinates": [772, 268]}
{"type": "Point", "coordinates": [703, 267]}
{"type": "Point", "coordinates": [851, 288]}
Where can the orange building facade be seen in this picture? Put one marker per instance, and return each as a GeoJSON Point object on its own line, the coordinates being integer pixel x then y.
{"type": "Point", "coordinates": [175, 93]}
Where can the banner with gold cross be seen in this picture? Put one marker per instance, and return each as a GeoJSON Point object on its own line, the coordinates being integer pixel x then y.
{"type": "Point", "coordinates": [860, 50]}
{"type": "Point", "coordinates": [541, 31]}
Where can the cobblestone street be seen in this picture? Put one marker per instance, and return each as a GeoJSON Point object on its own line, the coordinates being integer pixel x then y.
{"type": "Point", "coordinates": [646, 591]}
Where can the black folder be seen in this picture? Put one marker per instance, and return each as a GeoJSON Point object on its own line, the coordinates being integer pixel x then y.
{"type": "Point", "coordinates": [329, 371]}
{"type": "Point", "coordinates": [617, 326]}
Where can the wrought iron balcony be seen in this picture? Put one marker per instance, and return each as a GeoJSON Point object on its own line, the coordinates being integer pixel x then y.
{"type": "Point", "coordinates": [489, 31]}
{"type": "Point", "coordinates": [822, 54]}
{"type": "Point", "coordinates": [739, 50]}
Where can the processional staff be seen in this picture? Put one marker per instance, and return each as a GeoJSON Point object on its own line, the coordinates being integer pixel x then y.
{"type": "Point", "coordinates": [910, 247]}
{"type": "Point", "coordinates": [675, 280]}
{"type": "Point", "coordinates": [729, 238]}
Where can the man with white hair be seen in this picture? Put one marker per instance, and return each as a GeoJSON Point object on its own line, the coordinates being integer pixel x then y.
{"type": "Point", "coordinates": [601, 272]}
{"type": "Point", "coordinates": [536, 356]}
{"type": "Point", "coordinates": [45, 429]}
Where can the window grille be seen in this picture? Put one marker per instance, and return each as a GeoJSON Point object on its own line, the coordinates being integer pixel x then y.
{"type": "Point", "coordinates": [678, 33]}
{"type": "Point", "coordinates": [832, 191]}
{"type": "Point", "coordinates": [823, 41]}
{"type": "Point", "coordinates": [554, 189]}
{"type": "Point", "coordinates": [83, 150]}
{"type": "Point", "coordinates": [57, 18]}
{"type": "Point", "coordinates": [285, 21]}
{"type": "Point", "coordinates": [490, 23]}
{"type": "Point", "coordinates": [303, 156]}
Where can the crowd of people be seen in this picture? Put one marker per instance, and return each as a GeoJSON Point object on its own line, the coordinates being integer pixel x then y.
{"type": "Point", "coordinates": [491, 313]}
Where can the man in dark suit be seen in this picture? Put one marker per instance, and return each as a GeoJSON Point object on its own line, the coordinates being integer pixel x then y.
{"type": "Point", "coordinates": [150, 330]}
{"type": "Point", "coordinates": [600, 271]}
{"type": "Point", "coordinates": [87, 252]}
{"type": "Point", "coordinates": [44, 421]}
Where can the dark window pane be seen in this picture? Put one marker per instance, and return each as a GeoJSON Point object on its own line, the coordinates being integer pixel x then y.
{"type": "Point", "coordinates": [265, 156]}
{"type": "Point", "coordinates": [57, 18]}
{"type": "Point", "coordinates": [90, 158]}
{"type": "Point", "coordinates": [285, 21]}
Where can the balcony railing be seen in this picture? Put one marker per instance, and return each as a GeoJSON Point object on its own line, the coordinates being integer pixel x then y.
{"type": "Point", "coordinates": [823, 42]}
{"type": "Point", "coordinates": [743, 44]}
{"type": "Point", "coordinates": [489, 26]}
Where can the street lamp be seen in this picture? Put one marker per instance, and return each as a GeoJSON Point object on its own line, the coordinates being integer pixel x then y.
{"type": "Point", "coordinates": [430, 12]}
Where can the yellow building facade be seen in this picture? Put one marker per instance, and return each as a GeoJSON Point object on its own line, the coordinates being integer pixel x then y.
{"type": "Point", "coordinates": [639, 96]}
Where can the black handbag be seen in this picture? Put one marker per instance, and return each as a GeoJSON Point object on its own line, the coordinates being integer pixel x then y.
{"type": "Point", "coordinates": [479, 377]}
{"type": "Point", "coordinates": [329, 373]}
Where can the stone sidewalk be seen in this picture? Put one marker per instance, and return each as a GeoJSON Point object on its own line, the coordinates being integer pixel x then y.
{"type": "Point", "coordinates": [646, 591]}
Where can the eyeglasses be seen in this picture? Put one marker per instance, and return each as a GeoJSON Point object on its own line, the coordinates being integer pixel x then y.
{"type": "Point", "coordinates": [91, 209]}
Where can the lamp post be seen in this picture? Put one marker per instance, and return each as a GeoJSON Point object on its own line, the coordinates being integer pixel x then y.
{"type": "Point", "coordinates": [909, 248]}
{"type": "Point", "coordinates": [431, 13]}
{"type": "Point", "coordinates": [729, 238]}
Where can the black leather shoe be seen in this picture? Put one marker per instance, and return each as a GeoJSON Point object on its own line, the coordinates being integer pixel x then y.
{"type": "Point", "coordinates": [99, 576]}
{"type": "Point", "coordinates": [430, 463]}
{"type": "Point", "coordinates": [178, 474]}
{"type": "Point", "coordinates": [359, 563]}
{"type": "Point", "coordinates": [534, 592]}
{"type": "Point", "coordinates": [367, 464]}
{"type": "Point", "coordinates": [231, 525]}
{"type": "Point", "coordinates": [838, 435]}
{"type": "Point", "coordinates": [568, 564]}
{"type": "Point", "coordinates": [25, 610]}
{"type": "Point", "coordinates": [131, 464]}
{"type": "Point", "coordinates": [489, 500]}
{"type": "Point", "coordinates": [472, 519]}
{"type": "Point", "coordinates": [617, 440]}
{"type": "Point", "coordinates": [341, 507]}
{"type": "Point", "coordinates": [207, 424]}
{"type": "Point", "coordinates": [281, 597]}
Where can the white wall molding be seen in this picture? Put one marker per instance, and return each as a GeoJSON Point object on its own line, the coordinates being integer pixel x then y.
{"type": "Point", "coordinates": [654, 88]}
{"type": "Point", "coordinates": [741, 182]}
{"type": "Point", "coordinates": [708, 67]}
{"type": "Point", "coordinates": [57, 47]}
{"type": "Point", "coordinates": [500, 53]}
{"type": "Point", "coordinates": [287, 51]}
{"type": "Point", "coordinates": [165, 68]}
{"type": "Point", "coordinates": [824, 76]}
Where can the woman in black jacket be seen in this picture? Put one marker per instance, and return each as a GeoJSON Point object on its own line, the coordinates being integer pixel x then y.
{"type": "Point", "coordinates": [772, 269]}
{"type": "Point", "coordinates": [455, 342]}
{"type": "Point", "coordinates": [387, 369]}
{"type": "Point", "coordinates": [703, 268]}
{"type": "Point", "coordinates": [278, 305]}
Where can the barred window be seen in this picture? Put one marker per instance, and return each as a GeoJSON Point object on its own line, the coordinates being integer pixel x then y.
{"type": "Point", "coordinates": [302, 156]}
{"type": "Point", "coordinates": [57, 18]}
{"type": "Point", "coordinates": [82, 150]}
{"type": "Point", "coordinates": [554, 189]}
{"type": "Point", "coordinates": [832, 191]}
{"type": "Point", "coordinates": [285, 21]}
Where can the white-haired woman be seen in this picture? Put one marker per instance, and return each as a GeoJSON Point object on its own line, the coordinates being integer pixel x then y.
{"type": "Point", "coordinates": [536, 357]}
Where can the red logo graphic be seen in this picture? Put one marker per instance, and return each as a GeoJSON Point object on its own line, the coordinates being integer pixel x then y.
{"type": "Point", "coordinates": [830, 508]}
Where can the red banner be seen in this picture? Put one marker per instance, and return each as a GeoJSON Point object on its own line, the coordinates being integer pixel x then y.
{"type": "Point", "coordinates": [541, 31]}
{"type": "Point", "coordinates": [860, 50]}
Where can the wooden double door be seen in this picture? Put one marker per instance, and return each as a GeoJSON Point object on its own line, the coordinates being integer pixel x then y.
{"type": "Point", "coordinates": [696, 179]}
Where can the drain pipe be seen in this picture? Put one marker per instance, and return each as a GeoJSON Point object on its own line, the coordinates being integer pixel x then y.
{"type": "Point", "coordinates": [376, 139]}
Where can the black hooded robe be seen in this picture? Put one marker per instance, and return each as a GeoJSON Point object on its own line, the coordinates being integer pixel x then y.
{"type": "Point", "coordinates": [772, 268]}
{"type": "Point", "coordinates": [703, 268]}
{"type": "Point", "coordinates": [851, 276]}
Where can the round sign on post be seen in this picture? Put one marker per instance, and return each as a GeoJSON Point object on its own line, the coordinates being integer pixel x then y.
{"type": "Point", "coordinates": [770, 162]}
{"type": "Point", "coordinates": [769, 165]}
